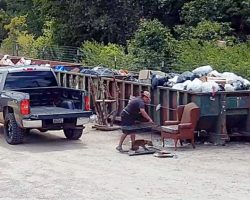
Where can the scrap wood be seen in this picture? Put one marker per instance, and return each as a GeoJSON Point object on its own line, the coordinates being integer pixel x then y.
{"type": "Point", "coordinates": [106, 128]}
{"type": "Point", "coordinates": [163, 155]}
{"type": "Point", "coordinates": [103, 95]}
{"type": "Point", "coordinates": [102, 104]}
{"type": "Point", "coordinates": [117, 92]}
{"type": "Point", "coordinates": [150, 150]}
{"type": "Point", "coordinates": [97, 107]}
{"type": "Point", "coordinates": [137, 153]}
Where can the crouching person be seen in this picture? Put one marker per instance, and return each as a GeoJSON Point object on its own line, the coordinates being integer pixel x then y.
{"type": "Point", "coordinates": [129, 116]}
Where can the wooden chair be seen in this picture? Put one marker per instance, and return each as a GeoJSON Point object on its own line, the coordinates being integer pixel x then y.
{"type": "Point", "coordinates": [187, 118]}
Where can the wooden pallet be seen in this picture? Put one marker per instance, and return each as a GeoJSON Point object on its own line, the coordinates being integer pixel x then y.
{"type": "Point", "coordinates": [106, 128]}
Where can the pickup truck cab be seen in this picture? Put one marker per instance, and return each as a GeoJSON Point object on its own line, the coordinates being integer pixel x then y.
{"type": "Point", "coordinates": [30, 98]}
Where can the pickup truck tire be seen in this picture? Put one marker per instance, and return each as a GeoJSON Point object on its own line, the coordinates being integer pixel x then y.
{"type": "Point", "coordinates": [73, 134]}
{"type": "Point", "coordinates": [12, 132]}
{"type": "Point", "coordinates": [42, 130]}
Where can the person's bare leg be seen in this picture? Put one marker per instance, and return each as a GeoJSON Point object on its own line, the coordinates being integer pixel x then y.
{"type": "Point", "coordinates": [132, 136]}
{"type": "Point", "coordinates": [122, 139]}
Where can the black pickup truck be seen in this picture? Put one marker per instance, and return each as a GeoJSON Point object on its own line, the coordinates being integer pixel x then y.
{"type": "Point", "coordinates": [30, 98]}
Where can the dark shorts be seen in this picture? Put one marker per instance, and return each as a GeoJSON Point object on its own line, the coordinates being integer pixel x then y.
{"type": "Point", "coordinates": [133, 124]}
{"type": "Point", "coordinates": [126, 122]}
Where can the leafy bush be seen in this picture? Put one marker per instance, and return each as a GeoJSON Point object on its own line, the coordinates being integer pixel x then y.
{"type": "Point", "coordinates": [193, 54]}
{"type": "Point", "coordinates": [206, 31]}
{"type": "Point", "coordinates": [25, 42]}
{"type": "Point", "coordinates": [15, 28]}
{"type": "Point", "coordinates": [110, 55]}
{"type": "Point", "coordinates": [20, 40]}
{"type": "Point", "coordinates": [152, 46]}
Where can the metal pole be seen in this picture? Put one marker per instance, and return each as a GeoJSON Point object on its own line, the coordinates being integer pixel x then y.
{"type": "Point", "coordinates": [115, 62]}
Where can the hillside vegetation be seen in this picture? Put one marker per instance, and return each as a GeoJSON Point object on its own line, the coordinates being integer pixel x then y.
{"type": "Point", "coordinates": [167, 35]}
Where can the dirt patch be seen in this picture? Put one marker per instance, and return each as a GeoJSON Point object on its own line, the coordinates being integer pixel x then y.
{"type": "Point", "coordinates": [47, 166]}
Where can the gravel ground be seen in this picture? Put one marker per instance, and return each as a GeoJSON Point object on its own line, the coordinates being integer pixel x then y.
{"type": "Point", "coordinates": [47, 166]}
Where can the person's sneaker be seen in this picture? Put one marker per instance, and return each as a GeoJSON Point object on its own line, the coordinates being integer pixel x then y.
{"type": "Point", "coordinates": [119, 148]}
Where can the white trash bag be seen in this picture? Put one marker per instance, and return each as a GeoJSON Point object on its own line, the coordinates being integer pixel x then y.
{"type": "Point", "coordinates": [214, 73]}
{"type": "Point", "coordinates": [178, 86]}
{"type": "Point", "coordinates": [173, 80]}
{"type": "Point", "coordinates": [23, 62]}
{"type": "Point", "coordinates": [195, 85]}
{"type": "Point", "coordinates": [231, 77]}
{"type": "Point", "coordinates": [6, 60]}
{"type": "Point", "coordinates": [229, 88]}
{"type": "Point", "coordinates": [202, 71]}
{"type": "Point", "coordinates": [210, 87]}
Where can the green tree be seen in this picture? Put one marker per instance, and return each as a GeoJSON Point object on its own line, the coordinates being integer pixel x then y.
{"type": "Point", "coordinates": [152, 46]}
{"type": "Point", "coordinates": [25, 42]}
{"type": "Point", "coordinates": [4, 19]}
{"type": "Point", "coordinates": [166, 11]}
{"type": "Point", "coordinates": [15, 28]}
{"type": "Point", "coordinates": [34, 18]}
{"type": "Point", "coordinates": [236, 12]}
{"type": "Point", "coordinates": [104, 21]}
{"type": "Point", "coordinates": [111, 55]}
{"type": "Point", "coordinates": [44, 45]}
{"type": "Point", "coordinates": [205, 31]}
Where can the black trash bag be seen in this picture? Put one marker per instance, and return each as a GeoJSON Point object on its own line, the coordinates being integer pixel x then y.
{"type": "Point", "coordinates": [180, 79]}
{"type": "Point", "coordinates": [246, 84]}
{"type": "Point", "coordinates": [89, 72]}
{"type": "Point", "coordinates": [172, 75]}
{"type": "Point", "coordinates": [168, 84]}
{"type": "Point", "coordinates": [104, 71]}
{"type": "Point", "coordinates": [187, 75]}
{"type": "Point", "coordinates": [130, 78]}
{"type": "Point", "coordinates": [158, 81]}
{"type": "Point", "coordinates": [238, 85]}
{"type": "Point", "coordinates": [221, 87]}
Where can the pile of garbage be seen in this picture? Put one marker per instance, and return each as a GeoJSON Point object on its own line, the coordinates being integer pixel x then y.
{"type": "Point", "coordinates": [201, 79]}
{"type": "Point", "coordinates": [7, 61]}
{"type": "Point", "coordinates": [100, 71]}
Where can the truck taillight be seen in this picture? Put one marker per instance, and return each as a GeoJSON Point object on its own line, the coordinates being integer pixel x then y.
{"type": "Point", "coordinates": [87, 102]}
{"type": "Point", "coordinates": [25, 107]}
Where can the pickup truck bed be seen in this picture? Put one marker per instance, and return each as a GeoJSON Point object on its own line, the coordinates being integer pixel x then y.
{"type": "Point", "coordinates": [54, 108]}
{"type": "Point", "coordinates": [45, 112]}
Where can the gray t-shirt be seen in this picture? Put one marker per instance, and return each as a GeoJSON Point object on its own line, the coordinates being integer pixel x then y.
{"type": "Point", "coordinates": [134, 106]}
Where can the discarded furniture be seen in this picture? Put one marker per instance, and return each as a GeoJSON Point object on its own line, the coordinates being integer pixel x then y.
{"type": "Point", "coordinates": [183, 128]}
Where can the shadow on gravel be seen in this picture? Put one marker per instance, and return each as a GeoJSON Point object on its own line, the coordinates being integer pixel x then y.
{"type": "Point", "coordinates": [37, 142]}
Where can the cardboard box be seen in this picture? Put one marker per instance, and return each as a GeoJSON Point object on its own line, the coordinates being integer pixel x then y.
{"type": "Point", "coordinates": [218, 80]}
{"type": "Point", "coordinates": [147, 74]}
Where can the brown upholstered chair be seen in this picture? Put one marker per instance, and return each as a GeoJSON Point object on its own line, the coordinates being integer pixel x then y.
{"type": "Point", "coordinates": [187, 118]}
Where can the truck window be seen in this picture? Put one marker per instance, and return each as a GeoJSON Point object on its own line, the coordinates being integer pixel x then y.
{"type": "Point", "coordinates": [30, 79]}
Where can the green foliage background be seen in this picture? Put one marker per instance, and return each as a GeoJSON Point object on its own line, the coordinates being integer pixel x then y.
{"type": "Point", "coordinates": [168, 35]}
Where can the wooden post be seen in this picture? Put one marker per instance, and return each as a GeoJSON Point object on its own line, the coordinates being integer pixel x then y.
{"type": "Point", "coordinates": [221, 129]}
{"type": "Point", "coordinates": [122, 95]}
{"type": "Point", "coordinates": [77, 82]}
{"type": "Point", "coordinates": [64, 80]}
{"type": "Point", "coordinates": [58, 75]}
